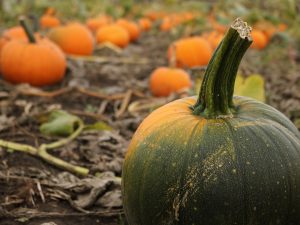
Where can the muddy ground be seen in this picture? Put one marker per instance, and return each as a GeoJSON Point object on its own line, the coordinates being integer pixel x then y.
{"type": "Point", "coordinates": [111, 88]}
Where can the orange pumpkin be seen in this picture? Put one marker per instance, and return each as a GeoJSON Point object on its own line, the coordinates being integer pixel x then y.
{"type": "Point", "coordinates": [192, 51]}
{"type": "Point", "coordinates": [73, 38]}
{"type": "Point", "coordinates": [35, 61]}
{"type": "Point", "coordinates": [131, 27]}
{"type": "Point", "coordinates": [260, 40]}
{"type": "Point", "coordinates": [49, 21]}
{"type": "Point", "coordinates": [155, 15]}
{"type": "Point", "coordinates": [12, 33]}
{"type": "Point", "coordinates": [282, 27]}
{"type": "Point", "coordinates": [164, 81]}
{"type": "Point", "coordinates": [114, 34]}
{"type": "Point", "coordinates": [267, 28]}
{"type": "Point", "coordinates": [166, 24]}
{"type": "Point", "coordinates": [214, 38]}
{"type": "Point", "coordinates": [145, 24]}
{"type": "Point", "coordinates": [188, 16]}
{"type": "Point", "coordinates": [95, 23]}
{"type": "Point", "coordinates": [50, 11]}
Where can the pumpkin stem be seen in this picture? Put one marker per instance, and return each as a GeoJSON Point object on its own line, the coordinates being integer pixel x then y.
{"type": "Point", "coordinates": [216, 94]}
{"type": "Point", "coordinates": [27, 30]}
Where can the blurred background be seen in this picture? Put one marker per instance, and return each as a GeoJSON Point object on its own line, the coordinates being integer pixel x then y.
{"type": "Point", "coordinates": [108, 71]}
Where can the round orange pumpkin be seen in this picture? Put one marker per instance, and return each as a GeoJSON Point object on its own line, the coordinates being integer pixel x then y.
{"type": "Point", "coordinates": [260, 40]}
{"type": "Point", "coordinates": [267, 28]}
{"type": "Point", "coordinates": [95, 23]}
{"type": "Point", "coordinates": [145, 24]}
{"type": "Point", "coordinates": [49, 21]}
{"type": "Point", "coordinates": [214, 38]}
{"type": "Point", "coordinates": [190, 52]}
{"type": "Point", "coordinates": [164, 81]}
{"type": "Point", "coordinates": [73, 38]}
{"type": "Point", "coordinates": [282, 27]}
{"type": "Point", "coordinates": [166, 24]}
{"type": "Point", "coordinates": [114, 34]}
{"type": "Point", "coordinates": [35, 61]}
{"type": "Point", "coordinates": [131, 27]}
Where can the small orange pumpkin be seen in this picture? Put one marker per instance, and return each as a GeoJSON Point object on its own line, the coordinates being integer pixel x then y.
{"type": "Point", "coordinates": [164, 81]}
{"type": "Point", "coordinates": [155, 15]}
{"type": "Point", "coordinates": [166, 24]}
{"type": "Point", "coordinates": [282, 27]}
{"type": "Point", "coordinates": [114, 34]}
{"type": "Point", "coordinates": [188, 16]}
{"type": "Point", "coordinates": [191, 51]}
{"type": "Point", "coordinates": [73, 38]}
{"type": "Point", "coordinates": [267, 28]}
{"type": "Point", "coordinates": [145, 24]}
{"type": "Point", "coordinates": [47, 21]}
{"type": "Point", "coordinates": [131, 27]}
{"type": "Point", "coordinates": [37, 61]}
{"type": "Point", "coordinates": [95, 23]}
{"type": "Point", "coordinates": [260, 40]}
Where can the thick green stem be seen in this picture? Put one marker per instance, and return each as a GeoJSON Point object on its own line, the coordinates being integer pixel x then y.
{"type": "Point", "coordinates": [27, 30]}
{"type": "Point", "coordinates": [216, 95]}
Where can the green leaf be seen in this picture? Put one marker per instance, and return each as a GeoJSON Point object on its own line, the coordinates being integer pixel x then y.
{"type": "Point", "coordinates": [59, 123]}
{"type": "Point", "coordinates": [100, 125]}
{"type": "Point", "coordinates": [252, 86]}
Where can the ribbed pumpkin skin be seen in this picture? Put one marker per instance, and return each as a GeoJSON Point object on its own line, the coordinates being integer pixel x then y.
{"type": "Point", "coordinates": [183, 169]}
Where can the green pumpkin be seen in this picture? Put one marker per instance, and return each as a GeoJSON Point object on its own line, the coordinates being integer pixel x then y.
{"type": "Point", "coordinates": [215, 159]}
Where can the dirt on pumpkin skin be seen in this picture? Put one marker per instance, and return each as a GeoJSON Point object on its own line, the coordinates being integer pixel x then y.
{"type": "Point", "coordinates": [112, 88]}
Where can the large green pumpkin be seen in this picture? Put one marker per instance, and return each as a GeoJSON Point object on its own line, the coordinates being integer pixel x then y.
{"type": "Point", "coordinates": [215, 159]}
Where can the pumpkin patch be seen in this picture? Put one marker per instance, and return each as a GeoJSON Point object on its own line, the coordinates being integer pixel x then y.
{"type": "Point", "coordinates": [149, 112]}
